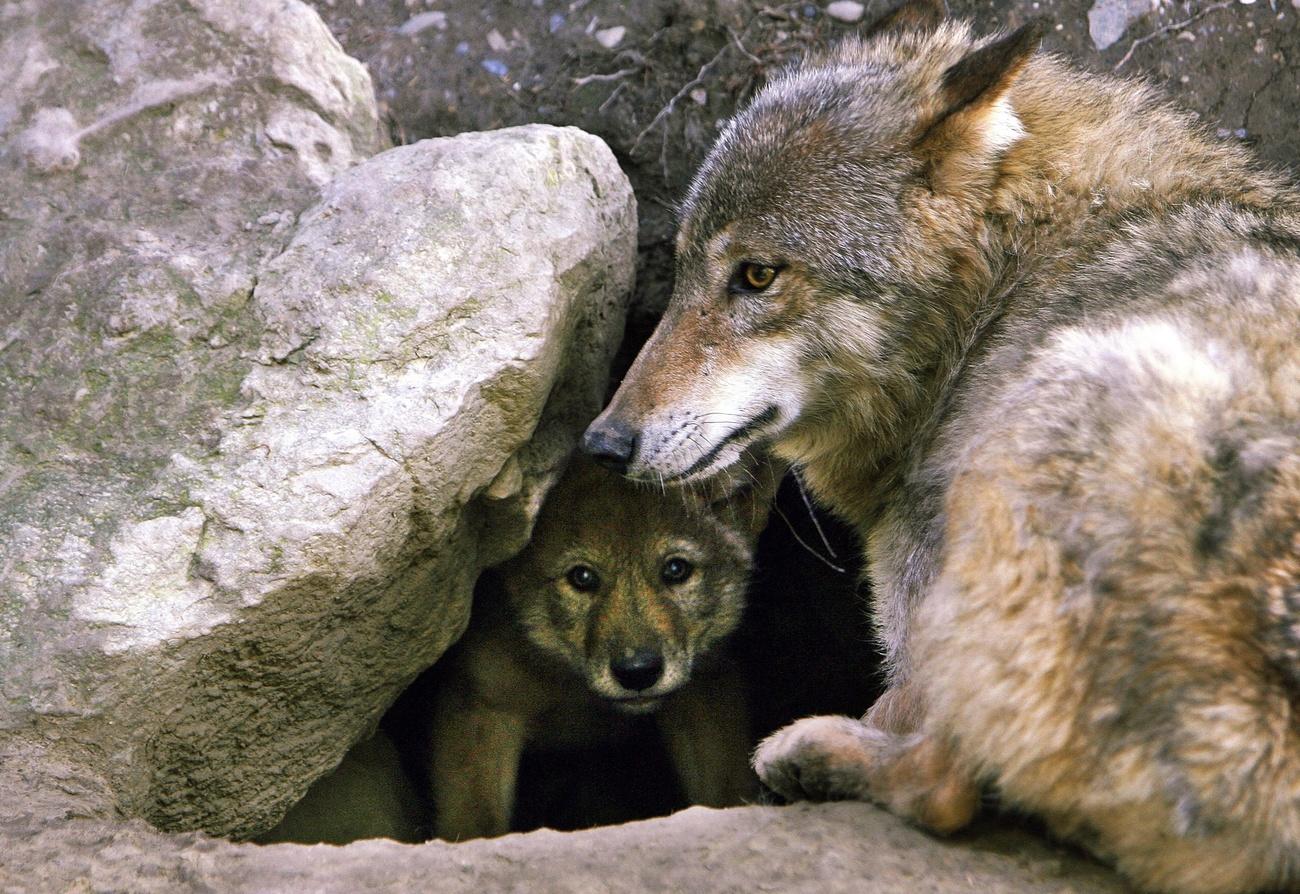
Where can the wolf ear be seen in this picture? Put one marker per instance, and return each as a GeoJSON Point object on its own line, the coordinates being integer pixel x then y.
{"type": "Point", "coordinates": [911, 15]}
{"type": "Point", "coordinates": [975, 122]}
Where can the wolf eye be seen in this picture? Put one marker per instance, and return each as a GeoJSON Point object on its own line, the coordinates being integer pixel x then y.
{"type": "Point", "coordinates": [582, 577]}
{"type": "Point", "coordinates": [751, 277]}
{"type": "Point", "coordinates": [676, 570]}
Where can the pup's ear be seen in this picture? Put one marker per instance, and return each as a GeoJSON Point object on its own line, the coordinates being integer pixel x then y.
{"type": "Point", "coordinates": [910, 15]}
{"type": "Point", "coordinates": [975, 123]}
{"type": "Point", "coordinates": [744, 500]}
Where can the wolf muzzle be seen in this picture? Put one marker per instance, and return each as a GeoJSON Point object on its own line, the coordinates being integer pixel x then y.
{"type": "Point", "coordinates": [610, 442]}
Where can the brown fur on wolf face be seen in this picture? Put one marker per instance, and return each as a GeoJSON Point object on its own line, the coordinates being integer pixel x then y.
{"type": "Point", "coordinates": [1034, 335]}
{"type": "Point", "coordinates": [619, 605]}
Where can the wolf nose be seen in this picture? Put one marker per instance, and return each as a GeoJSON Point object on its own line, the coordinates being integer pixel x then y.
{"type": "Point", "coordinates": [610, 443]}
{"type": "Point", "coordinates": [639, 670]}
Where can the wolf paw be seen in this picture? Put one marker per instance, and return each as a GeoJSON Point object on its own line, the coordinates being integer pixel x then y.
{"type": "Point", "coordinates": [818, 759]}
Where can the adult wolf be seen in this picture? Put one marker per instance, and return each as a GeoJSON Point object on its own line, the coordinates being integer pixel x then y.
{"type": "Point", "coordinates": [1033, 333]}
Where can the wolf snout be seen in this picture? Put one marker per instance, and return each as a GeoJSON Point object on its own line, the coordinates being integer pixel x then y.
{"type": "Point", "coordinates": [610, 442]}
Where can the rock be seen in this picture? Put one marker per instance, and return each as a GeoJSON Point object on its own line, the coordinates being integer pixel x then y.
{"type": "Point", "coordinates": [1109, 19]}
{"type": "Point", "coordinates": [250, 470]}
{"type": "Point", "coordinates": [845, 10]}
{"type": "Point", "coordinates": [611, 37]}
{"type": "Point", "coordinates": [841, 847]}
{"type": "Point", "coordinates": [417, 23]}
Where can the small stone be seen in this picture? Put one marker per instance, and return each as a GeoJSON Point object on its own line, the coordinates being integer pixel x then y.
{"type": "Point", "coordinates": [462, 48]}
{"type": "Point", "coordinates": [507, 482]}
{"type": "Point", "coordinates": [845, 10]}
{"type": "Point", "coordinates": [50, 145]}
{"type": "Point", "coordinates": [610, 37]}
{"type": "Point", "coordinates": [416, 24]}
{"type": "Point", "coordinates": [699, 96]}
{"type": "Point", "coordinates": [555, 22]}
{"type": "Point", "coordinates": [497, 42]}
{"type": "Point", "coordinates": [1109, 19]}
{"type": "Point", "coordinates": [495, 67]}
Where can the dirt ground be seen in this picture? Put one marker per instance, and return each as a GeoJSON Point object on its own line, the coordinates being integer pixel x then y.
{"type": "Point", "coordinates": [656, 78]}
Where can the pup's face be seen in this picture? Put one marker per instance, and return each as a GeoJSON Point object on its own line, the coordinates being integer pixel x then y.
{"type": "Point", "coordinates": [629, 586]}
{"type": "Point", "coordinates": [821, 212]}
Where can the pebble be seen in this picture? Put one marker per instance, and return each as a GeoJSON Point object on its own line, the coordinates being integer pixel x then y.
{"type": "Point", "coordinates": [462, 48]}
{"type": "Point", "coordinates": [1109, 19]}
{"type": "Point", "coordinates": [845, 10]}
{"type": "Point", "coordinates": [699, 96]}
{"type": "Point", "coordinates": [416, 24]}
{"type": "Point", "coordinates": [496, 67]}
{"type": "Point", "coordinates": [610, 37]}
{"type": "Point", "coordinates": [555, 22]}
{"type": "Point", "coordinates": [496, 42]}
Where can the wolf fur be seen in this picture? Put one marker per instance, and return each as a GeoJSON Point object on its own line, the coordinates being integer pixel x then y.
{"type": "Point", "coordinates": [1033, 333]}
{"type": "Point", "coordinates": [539, 663]}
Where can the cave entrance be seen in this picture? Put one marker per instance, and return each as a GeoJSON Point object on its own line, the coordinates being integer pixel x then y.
{"type": "Point", "coordinates": [805, 645]}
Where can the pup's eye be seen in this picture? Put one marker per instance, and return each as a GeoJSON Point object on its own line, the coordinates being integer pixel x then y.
{"type": "Point", "coordinates": [750, 277]}
{"type": "Point", "coordinates": [583, 577]}
{"type": "Point", "coordinates": [676, 570]}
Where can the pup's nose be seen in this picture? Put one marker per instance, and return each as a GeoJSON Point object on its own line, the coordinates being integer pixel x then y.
{"type": "Point", "coordinates": [610, 443]}
{"type": "Point", "coordinates": [638, 670]}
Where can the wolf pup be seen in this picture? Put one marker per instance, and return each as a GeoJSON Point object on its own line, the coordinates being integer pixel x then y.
{"type": "Point", "coordinates": [615, 608]}
{"type": "Point", "coordinates": [1034, 334]}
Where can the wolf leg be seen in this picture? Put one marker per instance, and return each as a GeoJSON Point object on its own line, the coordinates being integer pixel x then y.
{"type": "Point", "coordinates": [881, 758]}
{"type": "Point", "coordinates": [706, 728]}
{"type": "Point", "coordinates": [473, 766]}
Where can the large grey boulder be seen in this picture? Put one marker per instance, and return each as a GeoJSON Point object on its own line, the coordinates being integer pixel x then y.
{"type": "Point", "coordinates": [253, 457]}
